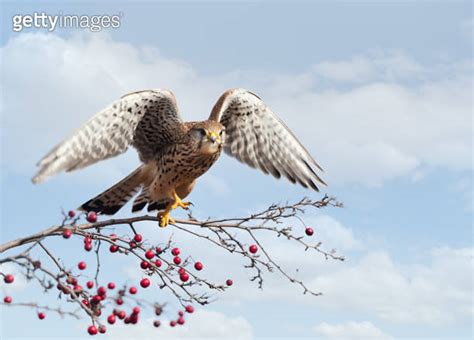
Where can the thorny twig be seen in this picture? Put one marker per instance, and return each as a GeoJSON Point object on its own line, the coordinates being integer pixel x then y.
{"type": "Point", "coordinates": [227, 234]}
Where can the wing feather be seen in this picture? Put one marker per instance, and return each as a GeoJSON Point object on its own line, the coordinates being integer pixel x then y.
{"type": "Point", "coordinates": [147, 120]}
{"type": "Point", "coordinates": [258, 137]}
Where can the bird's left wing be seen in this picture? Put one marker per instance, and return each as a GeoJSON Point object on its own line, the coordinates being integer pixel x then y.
{"type": "Point", "coordinates": [148, 120]}
{"type": "Point", "coordinates": [256, 136]}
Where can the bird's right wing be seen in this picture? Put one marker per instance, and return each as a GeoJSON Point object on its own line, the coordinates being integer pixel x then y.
{"type": "Point", "coordinates": [258, 137]}
{"type": "Point", "coordinates": [148, 120]}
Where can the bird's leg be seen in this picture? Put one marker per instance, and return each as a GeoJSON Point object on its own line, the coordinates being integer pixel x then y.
{"type": "Point", "coordinates": [178, 202]}
{"type": "Point", "coordinates": [165, 217]}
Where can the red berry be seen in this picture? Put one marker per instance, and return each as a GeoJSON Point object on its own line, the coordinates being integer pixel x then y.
{"type": "Point", "coordinates": [82, 265]}
{"type": "Point", "coordinates": [181, 270]}
{"type": "Point", "coordinates": [181, 320]}
{"type": "Point", "coordinates": [145, 283]}
{"type": "Point", "coordinates": [132, 244]}
{"type": "Point", "coordinates": [92, 330]}
{"type": "Point", "coordinates": [198, 266]}
{"type": "Point", "coordinates": [111, 319]}
{"type": "Point", "coordinates": [96, 299]}
{"type": "Point", "coordinates": [88, 246]}
{"type": "Point", "coordinates": [189, 309]}
{"type": "Point", "coordinates": [71, 213]}
{"type": "Point", "coordinates": [101, 291]}
{"type": "Point", "coordinates": [92, 217]}
{"type": "Point", "coordinates": [133, 290]}
{"type": "Point", "coordinates": [85, 302]}
{"type": "Point", "coordinates": [111, 285]}
{"type": "Point", "coordinates": [121, 315]}
{"type": "Point", "coordinates": [77, 289]}
{"type": "Point", "coordinates": [138, 238]}
{"type": "Point", "coordinates": [149, 254]}
{"type": "Point", "coordinates": [184, 277]}
{"type": "Point", "coordinates": [253, 248]}
{"type": "Point", "coordinates": [157, 323]}
{"type": "Point", "coordinates": [181, 313]}
{"type": "Point", "coordinates": [127, 320]}
{"type": "Point", "coordinates": [87, 239]}
{"type": "Point", "coordinates": [145, 264]}
{"type": "Point", "coordinates": [113, 248]}
{"type": "Point", "coordinates": [67, 233]}
{"type": "Point", "coordinates": [158, 250]}
{"type": "Point", "coordinates": [113, 237]}
{"type": "Point", "coordinates": [119, 301]}
{"type": "Point", "coordinates": [41, 315]}
{"type": "Point", "coordinates": [136, 310]}
{"type": "Point", "coordinates": [9, 278]}
{"type": "Point", "coordinates": [90, 284]}
{"type": "Point", "coordinates": [309, 231]}
{"type": "Point", "coordinates": [102, 329]}
{"type": "Point", "coordinates": [134, 318]}
{"type": "Point", "coordinates": [158, 263]}
{"type": "Point", "coordinates": [177, 260]}
{"type": "Point", "coordinates": [172, 323]}
{"type": "Point", "coordinates": [7, 299]}
{"type": "Point", "coordinates": [175, 251]}
{"type": "Point", "coordinates": [229, 282]}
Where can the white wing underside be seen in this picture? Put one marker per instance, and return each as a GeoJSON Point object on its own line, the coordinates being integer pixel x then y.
{"type": "Point", "coordinates": [146, 119]}
{"type": "Point", "coordinates": [258, 138]}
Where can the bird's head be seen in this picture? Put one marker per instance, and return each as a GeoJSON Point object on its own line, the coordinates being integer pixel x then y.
{"type": "Point", "coordinates": [209, 135]}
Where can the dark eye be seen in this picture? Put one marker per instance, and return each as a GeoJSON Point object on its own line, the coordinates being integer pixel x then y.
{"type": "Point", "coordinates": [199, 133]}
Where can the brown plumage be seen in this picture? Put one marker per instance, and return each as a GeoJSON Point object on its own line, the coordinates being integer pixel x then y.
{"type": "Point", "coordinates": [175, 153]}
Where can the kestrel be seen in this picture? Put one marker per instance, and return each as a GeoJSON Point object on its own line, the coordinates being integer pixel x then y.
{"type": "Point", "coordinates": [175, 153]}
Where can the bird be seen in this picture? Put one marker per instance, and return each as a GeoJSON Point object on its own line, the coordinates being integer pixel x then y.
{"type": "Point", "coordinates": [175, 153]}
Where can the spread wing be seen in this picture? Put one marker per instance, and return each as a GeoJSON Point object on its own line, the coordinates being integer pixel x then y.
{"type": "Point", "coordinates": [256, 136]}
{"type": "Point", "coordinates": [148, 120]}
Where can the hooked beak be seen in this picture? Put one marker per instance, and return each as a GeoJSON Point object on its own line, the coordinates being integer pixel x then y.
{"type": "Point", "coordinates": [213, 137]}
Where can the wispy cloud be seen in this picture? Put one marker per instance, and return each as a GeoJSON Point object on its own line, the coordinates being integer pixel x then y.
{"type": "Point", "coordinates": [203, 324]}
{"type": "Point", "coordinates": [349, 330]}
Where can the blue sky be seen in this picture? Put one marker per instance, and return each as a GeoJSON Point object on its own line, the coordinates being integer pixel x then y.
{"type": "Point", "coordinates": [381, 94]}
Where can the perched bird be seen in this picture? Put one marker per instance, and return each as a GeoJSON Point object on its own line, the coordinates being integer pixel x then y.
{"type": "Point", "coordinates": [175, 153]}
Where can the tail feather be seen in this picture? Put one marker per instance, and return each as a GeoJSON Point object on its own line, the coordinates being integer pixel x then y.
{"type": "Point", "coordinates": [114, 198]}
{"type": "Point", "coordinates": [158, 205]}
{"type": "Point", "coordinates": [141, 201]}
{"type": "Point", "coordinates": [144, 198]}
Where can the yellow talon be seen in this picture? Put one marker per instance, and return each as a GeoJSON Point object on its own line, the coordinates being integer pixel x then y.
{"type": "Point", "coordinates": [165, 218]}
{"type": "Point", "coordinates": [179, 203]}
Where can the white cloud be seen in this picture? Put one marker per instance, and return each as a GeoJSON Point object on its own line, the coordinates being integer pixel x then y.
{"type": "Point", "coordinates": [374, 66]}
{"type": "Point", "coordinates": [394, 117]}
{"type": "Point", "coordinates": [436, 293]}
{"type": "Point", "coordinates": [203, 324]}
{"type": "Point", "coordinates": [380, 131]}
{"type": "Point", "coordinates": [349, 330]}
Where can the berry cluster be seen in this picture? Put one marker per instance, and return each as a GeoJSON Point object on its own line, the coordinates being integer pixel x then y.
{"type": "Point", "coordinates": [152, 259]}
{"type": "Point", "coordinates": [111, 303]}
